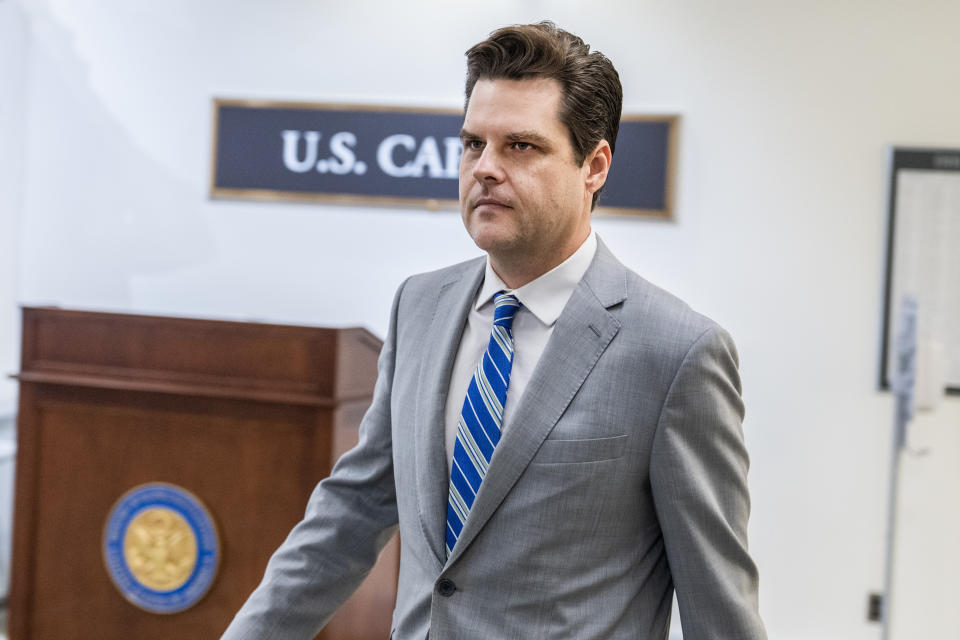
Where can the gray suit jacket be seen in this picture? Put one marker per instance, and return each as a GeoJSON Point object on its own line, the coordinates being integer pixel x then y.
{"type": "Point", "coordinates": [622, 476]}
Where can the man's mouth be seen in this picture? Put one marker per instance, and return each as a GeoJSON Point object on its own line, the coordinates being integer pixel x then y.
{"type": "Point", "coordinates": [491, 202]}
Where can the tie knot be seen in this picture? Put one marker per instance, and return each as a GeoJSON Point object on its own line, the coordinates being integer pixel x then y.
{"type": "Point", "coordinates": [505, 307]}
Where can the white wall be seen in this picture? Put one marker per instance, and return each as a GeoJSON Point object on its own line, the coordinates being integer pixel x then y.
{"type": "Point", "coordinates": [13, 55]}
{"type": "Point", "coordinates": [788, 111]}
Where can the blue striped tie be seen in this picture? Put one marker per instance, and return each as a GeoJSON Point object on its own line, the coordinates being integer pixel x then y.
{"type": "Point", "coordinates": [478, 430]}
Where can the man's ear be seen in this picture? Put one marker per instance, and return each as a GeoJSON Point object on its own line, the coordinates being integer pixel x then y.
{"type": "Point", "coordinates": [598, 165]}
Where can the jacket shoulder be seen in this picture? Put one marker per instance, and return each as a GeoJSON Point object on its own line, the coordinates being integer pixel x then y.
{"type": "Point", "coordinates": [660, 305]}
{"type": "Point", "coordinates": [666, 332]}
{"type": "Point", "coordinates": [425, 289]}
{"type": "Point", "coordinates": [433, 280]}
{"type": "Point", "coordinates": [657, 321]}
{"type": "Point", "coordinates": [640, 305]}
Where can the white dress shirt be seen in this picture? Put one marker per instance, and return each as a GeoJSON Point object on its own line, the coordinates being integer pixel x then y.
{"type": "Point", "coordinates": [543, 300]}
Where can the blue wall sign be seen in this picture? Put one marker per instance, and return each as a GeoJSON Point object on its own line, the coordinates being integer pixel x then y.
{"type": "Point", "coordinates": [398, 156]}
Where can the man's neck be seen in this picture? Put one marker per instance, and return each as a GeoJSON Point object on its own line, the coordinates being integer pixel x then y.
{"type": "Point", "coordinates": [518, 270]}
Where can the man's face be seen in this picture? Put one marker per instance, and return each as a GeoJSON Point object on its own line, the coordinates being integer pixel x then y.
{"type": "Point", "coordinates": [522, 195]}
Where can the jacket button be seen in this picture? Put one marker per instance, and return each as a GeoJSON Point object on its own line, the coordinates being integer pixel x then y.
{"type": "Point", "coordinates": [446, 587]}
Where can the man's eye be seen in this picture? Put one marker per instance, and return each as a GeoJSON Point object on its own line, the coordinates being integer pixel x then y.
{"type": "Point", "coordinates": [473, 145]}
{"type": "Point", "coordinates": [522, 146]}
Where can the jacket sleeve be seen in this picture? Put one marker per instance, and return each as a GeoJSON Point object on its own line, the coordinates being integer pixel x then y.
{"type": "Point", "coordinates": [349, 518]}
{"type": "Point", "coordinates": [699, 479]}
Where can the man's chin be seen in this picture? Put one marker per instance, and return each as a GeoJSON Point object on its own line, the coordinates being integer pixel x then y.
{"type": "Point", "coordinates": [494, 240]}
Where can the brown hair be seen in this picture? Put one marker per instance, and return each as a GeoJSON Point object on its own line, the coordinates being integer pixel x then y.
{"type": "Point", "coordinates": [592, 95]}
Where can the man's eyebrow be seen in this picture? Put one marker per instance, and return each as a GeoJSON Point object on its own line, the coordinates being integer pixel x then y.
{"type": "Point", "coordinates": [516, 136]}
{"type": "Point", "coordinates": [529, 136]}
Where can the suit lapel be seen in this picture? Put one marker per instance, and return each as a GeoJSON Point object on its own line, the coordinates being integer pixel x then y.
{"type": "Point", "coordinates": [453, 302]}
{"type": "Point", "coordinates": [581, 335]}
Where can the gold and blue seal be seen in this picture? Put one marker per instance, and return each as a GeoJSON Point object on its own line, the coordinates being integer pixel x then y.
{"type": "Point", "coordinates": [161, 548]}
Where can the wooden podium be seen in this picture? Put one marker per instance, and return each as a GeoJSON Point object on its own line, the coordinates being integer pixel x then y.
{"type": "Point", "coordinates": [246, 417]}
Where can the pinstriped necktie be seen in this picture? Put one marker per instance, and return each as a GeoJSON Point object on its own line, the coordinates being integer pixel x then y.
{"type": "Point", "coordinates": [478, 430]}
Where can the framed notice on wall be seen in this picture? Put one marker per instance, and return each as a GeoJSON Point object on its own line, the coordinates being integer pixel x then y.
{"type": "Point", "coordinates": [923, 255]}
{"type": "Point", "coordinates": [406, 156]}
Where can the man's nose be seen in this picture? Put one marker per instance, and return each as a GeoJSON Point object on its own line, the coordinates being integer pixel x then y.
{"type": "Point", "coordinates": [489, 167]}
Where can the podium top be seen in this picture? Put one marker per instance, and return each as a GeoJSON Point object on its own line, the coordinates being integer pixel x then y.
{"type": "Point", "coordinates": [266, 362]}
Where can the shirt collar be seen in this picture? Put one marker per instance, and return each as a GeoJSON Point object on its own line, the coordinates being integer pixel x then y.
{"type": "Point", "coordinates": [546, 296]}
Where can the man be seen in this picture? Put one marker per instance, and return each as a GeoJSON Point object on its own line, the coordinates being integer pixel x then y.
{"type": "Point", "coordinates": [590, 463]}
